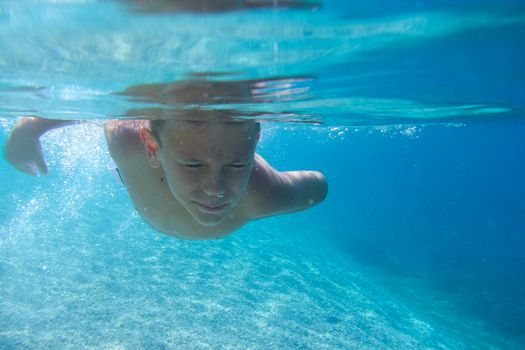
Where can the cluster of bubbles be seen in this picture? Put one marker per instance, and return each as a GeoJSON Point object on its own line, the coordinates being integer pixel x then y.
{"type": "Point", "coordinates": [340, 133]}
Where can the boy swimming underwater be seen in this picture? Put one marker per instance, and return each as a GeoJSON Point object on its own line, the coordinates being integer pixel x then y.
{"type": "Point", "coordinates": [187, 179]}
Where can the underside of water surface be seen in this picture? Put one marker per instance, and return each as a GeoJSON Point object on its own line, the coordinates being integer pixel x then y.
{"type": "Point", "coordinates": [413, 111]}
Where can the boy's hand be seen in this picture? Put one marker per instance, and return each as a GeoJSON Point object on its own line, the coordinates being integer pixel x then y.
{"type": "Point", "coordinates": [23, 149]}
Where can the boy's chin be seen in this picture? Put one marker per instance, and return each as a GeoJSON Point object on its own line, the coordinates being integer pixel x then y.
{"type": "Point", "coordinates": [207, 217]}
{"type": "Point", "coordinates": [208, 220]}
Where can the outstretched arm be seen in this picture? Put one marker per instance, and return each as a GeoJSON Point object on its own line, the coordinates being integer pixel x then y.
{"type": "Point", "coordinates": [287, 192]}
{"type": "Point", "coordinates": [23, 149]}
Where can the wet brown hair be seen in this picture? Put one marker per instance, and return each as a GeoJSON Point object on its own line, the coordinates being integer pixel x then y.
{"type": "Point", "coordinates": [156, 126]}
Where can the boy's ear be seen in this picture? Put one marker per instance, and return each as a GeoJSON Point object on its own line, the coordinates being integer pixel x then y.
{"type": "Point", "coordinates": [150, 145]}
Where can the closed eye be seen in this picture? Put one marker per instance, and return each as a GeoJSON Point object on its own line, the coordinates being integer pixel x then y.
{"type": "Point", "coordinates": [238, 166]}
{"type": "Point", "coordinates": [192, 166]}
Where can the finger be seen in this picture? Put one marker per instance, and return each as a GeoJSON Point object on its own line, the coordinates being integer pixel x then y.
{"type": "Point", "coordinates": [42, 166]}
{"type": "Point", "coordinates": [26, 168]}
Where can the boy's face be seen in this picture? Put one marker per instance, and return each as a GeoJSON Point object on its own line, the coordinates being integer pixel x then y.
{"type": "Point", "coordinates": [208, 165]}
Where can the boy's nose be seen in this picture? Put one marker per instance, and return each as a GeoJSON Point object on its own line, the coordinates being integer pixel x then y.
{"type": "Point", "coordinates": [214, 186]}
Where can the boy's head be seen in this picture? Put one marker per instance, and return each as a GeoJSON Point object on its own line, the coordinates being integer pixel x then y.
{"type": "Point", "coordinates": [207, 164]}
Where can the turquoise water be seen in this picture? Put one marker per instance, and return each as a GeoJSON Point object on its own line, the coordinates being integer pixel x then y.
{"type": "Point", "coordinates": [413, 111]}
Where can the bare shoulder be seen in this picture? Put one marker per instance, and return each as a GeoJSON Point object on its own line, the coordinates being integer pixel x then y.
{"type": "Point", "coordinates": [279, 192]}
{"type": "Point", "coordinates": [122, 137]}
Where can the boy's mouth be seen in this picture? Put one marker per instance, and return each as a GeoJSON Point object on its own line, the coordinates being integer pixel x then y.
{"type": "Point", "coordinates": [212, 208]}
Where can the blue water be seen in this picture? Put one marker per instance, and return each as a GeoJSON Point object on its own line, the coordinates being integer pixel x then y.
{"type": "Point", "coordinates": [415, 116]}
